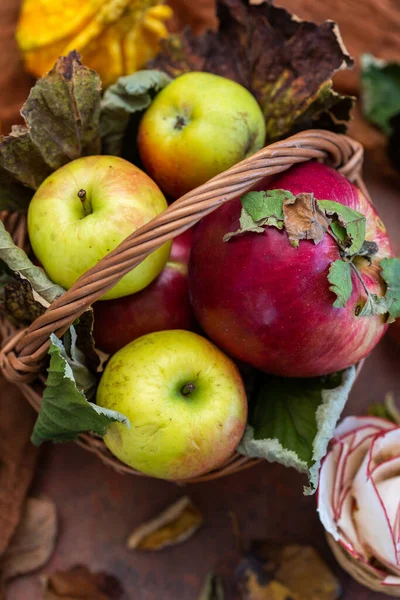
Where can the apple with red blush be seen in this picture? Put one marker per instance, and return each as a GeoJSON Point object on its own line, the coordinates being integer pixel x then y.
{"type": "Point", "coordinates": [268, 303]}
{"type": "Point", "coordinates": [162, 305]}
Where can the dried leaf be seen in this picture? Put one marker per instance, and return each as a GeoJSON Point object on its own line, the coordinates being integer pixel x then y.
{"type": "Point", "coordinates": [259, 210]}
{"type": "Point", "coordinates": [347, 224]}
{"type": "Point", "coordinates": [285, 62]}
{"type": "Point", "coordinates": [33, 541]}
{"type": "Point", "coordinates": [78, 583]}
{"type": "Point", "coordinates": [380, 91]}
{"type": "Point", "coordinates": [304, 220]}
{"type": "Point", "coordinates": [129, 95]}
{"type": "Point", "coordinates": [20, 303]}
{"type": "Point", "coordinates": [62, 123]}
{"type": "Point", "coordinates": [390, 272]}
{"type": "Point", "coordinates": [172, 526]}
{"type": "Point", "coordinates": [339, 277]}
{"type": "Point", "coordinates": [63, 110]}
{"type": "Point", "coordinates": [65, 411]}
{"type": "Point", "coordinates": [292, 420]}
{"type": "Point", "coordinates": [17, 261]}
{"type": "Point", "coordinates": [272, 571]}
{"type": "Point", "coordinates": [212, 588]}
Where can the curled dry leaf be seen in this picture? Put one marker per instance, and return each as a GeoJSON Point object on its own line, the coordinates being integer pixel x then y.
{"type": "Point", "coordinates": [272, 571]}
{"type": "Point", "coordinates": [304, 220]}
{"type": "Point", "coordinates": [286, 63]}
{"type": "Point", "coordinates": [33, 541]}
{"type": "Point", "coordinates": [78, 583]}
{"type": "Point", "coordinates": [62, 123]}
{"type": "Point", "coordinates": [212, 588]}
{"type": "Point", "coordinates": [172, 526]}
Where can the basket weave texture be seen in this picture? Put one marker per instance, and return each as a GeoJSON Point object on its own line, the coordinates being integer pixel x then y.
{"type": "Point", "coordinates": [360, 571]}
{"type": "Point", "coordinates": [24, 350]}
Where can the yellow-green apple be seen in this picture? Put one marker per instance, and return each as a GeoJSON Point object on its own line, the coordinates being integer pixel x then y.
{"type": "Point", "coordinates": [270, 304]}
{"type": "Point", "coordinates": [164, 304]}
{"type": "Point", "coordinates": [87, 208]}
{"type": "Point", "coordinates": [185, 401]}
{"type": "Point", "coordinates": [198, 126]}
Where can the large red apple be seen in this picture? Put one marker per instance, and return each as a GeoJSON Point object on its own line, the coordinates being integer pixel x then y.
{"type": "Point", "coordinates": [164, 304]}
{"type": "Point", "coordinates": [269, 304]}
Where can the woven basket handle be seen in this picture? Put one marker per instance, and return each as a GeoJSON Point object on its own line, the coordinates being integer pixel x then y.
{"type": "Point", "coordinates": [20, 359]}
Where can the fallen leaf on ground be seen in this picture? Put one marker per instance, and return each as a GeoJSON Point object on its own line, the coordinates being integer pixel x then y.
{"type": "Point", "coordinates": [33, 541]}
{"type": "Point", "coordinates": [78, 583]}
{"type": "Point", "coordinates": [286, 63]}
{"type": "Point", "coordinates": [273, 571]}
{"type": "Point", "coordinates": [212, 588]}
{"type": "Point", "coordinates": [304, 220]}
{"type": "Point", "coordinates": [172, 526]}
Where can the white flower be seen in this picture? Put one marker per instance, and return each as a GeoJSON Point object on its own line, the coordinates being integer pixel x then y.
{"type": "Point", "coordinates": [359, 493]}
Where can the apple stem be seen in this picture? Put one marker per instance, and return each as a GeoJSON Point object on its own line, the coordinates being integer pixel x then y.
{"type": "Point", "coordinates": [82, 195]}
{"type": "Point", "coordinates": [188, 388]}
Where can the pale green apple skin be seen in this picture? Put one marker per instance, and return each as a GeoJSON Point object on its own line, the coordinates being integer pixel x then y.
{"type": "Point", "coordinates": [172, 436]}
{"type": "Point", "coordinates": [221, 124]}
{"type": "Point", "coordinates": [68, 242]}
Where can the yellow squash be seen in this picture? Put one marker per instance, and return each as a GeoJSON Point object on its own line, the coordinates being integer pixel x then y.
{"type": "Point", "coordinates": [114, 37]}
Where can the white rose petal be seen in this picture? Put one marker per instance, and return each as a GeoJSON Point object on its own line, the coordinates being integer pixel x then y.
{"type": "Point", "coordinates": [359, 493]}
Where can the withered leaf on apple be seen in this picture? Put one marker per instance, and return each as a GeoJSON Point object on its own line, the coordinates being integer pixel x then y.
{"type": "Point", "coordinates": [285, 62]}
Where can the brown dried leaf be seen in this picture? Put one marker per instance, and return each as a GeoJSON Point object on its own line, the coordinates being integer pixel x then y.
{"type": "Point", "coordinates": [62, 123]}
{"type": "Point", "coordinates": [286, 63]}
{"type": "Point", "coordinates": [33, 541]}
{"type": "Point", "coordinates": [78, 583]}
{"type": "Point", "coordinates": [172, 526]}
{"type": "Point", "coordinates": [277, 572]}
{"type": "Point", "coordinates": [212, 588]}
{"type": "Point", "coordinates": [304, 220]}
{"type": "Point", "coordinates": [21, 302]}
{"type": "Point", "coordinates": [63, 110]}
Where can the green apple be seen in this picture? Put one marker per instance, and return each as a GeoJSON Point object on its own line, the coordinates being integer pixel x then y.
{"type": "Point", "coordinates": [198, 126]}
{"type": "Point", "coordinates": [87, 208]}
{"type": "Point", "coordinates": [185, 401]}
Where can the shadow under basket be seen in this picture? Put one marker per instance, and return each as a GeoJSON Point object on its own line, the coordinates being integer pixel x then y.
{"type": "Point", "coordinates": [361, 572]}
{"type": "Point", "coordinates": [24, 350]}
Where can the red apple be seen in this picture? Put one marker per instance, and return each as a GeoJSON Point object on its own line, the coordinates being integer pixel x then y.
{"type": "Point", "coordinates": [394, 331]}
{"type": "Point", "coordinates": [164, 304]}
{"type": "Point", "coordinates": [269, 304]}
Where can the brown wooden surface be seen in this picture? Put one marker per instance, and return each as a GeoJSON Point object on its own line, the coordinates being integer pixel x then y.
{"type": "Point", "coordinates": [98, 508]}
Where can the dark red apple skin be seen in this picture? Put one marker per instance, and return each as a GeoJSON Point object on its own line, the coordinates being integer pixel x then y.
{"type": "Point", "coordinates": [394, 331]}
{"type": "Point", "coordinates": [162, 305]}
{"type": "Point", "coordinates": [269, 304]}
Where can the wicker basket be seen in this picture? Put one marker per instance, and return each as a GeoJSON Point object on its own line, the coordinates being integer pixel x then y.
{"type": "Point", "coordinates": [360, 571]}
{"type": "Point", "coordinates": [23, 351]}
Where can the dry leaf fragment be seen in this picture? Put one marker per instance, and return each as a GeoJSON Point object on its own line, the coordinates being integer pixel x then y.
{"type": "Point", "coordinates": [212, 588]}
{"type": "Point", "coordinates": [286, 63]}
{"type": "Point", "coordinates": [33, 541]}
{"type": "Point", "coordinates": [276, 572]}
{"type": "Point", "coordinates": [304, 220]}
{"type": "Point", "coordinates": [78, 583]}
{"type": "Point", "coordinates": [172, 526]}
